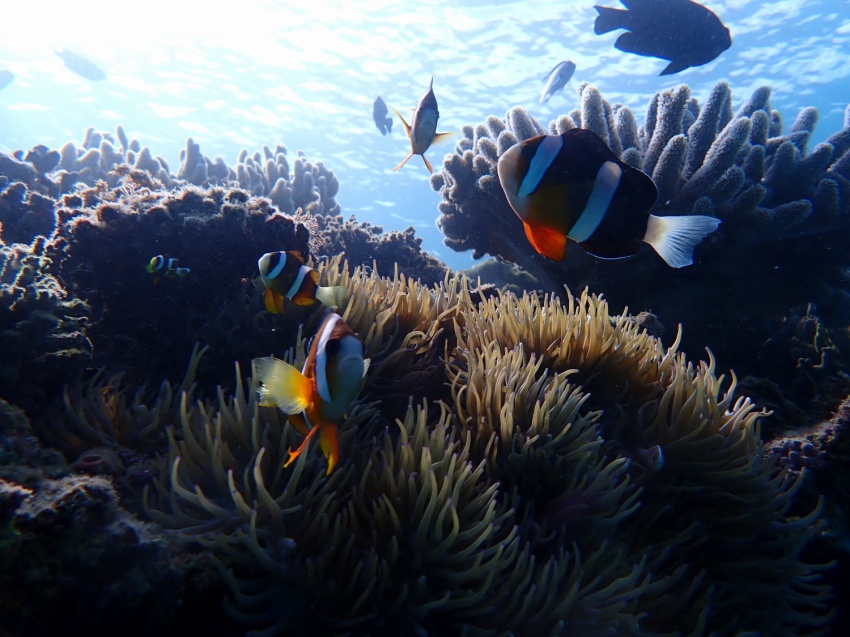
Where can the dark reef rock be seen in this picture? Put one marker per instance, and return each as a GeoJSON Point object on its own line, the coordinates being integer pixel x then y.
{"type": "Point", "coordinates": [367, 245]}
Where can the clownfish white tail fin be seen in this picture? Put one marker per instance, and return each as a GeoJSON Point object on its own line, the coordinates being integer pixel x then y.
{"type": "Point", "coordinates": [674, 238]}
{"type": "Point", "coordinates": [333, 296]}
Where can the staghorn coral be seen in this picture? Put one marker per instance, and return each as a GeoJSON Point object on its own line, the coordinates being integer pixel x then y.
{"type": "Point", "coordinates": [784, 211]}
{"type": "Point", "coordinates": [504, 493]}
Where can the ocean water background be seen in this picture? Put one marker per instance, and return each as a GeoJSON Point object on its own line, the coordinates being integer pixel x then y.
{"type": "Point", "coordinates": [306, 74]}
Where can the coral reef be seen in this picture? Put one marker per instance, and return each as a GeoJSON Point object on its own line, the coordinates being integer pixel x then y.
{"type": "Point", "coordinates": [367, 245]}
{"type": "Point", "coordinates": [493, 480]}
{"type": "Point", "coordinates": [78, 226]}
{"type": "Point", "coordinates": [42, 324]}
{"type": "Point", "coordinates": [784, 212]}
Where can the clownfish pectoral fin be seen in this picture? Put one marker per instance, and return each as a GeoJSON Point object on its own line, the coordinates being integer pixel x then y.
{"type": "Point", "coordinates": [283, 386]}
{"type": "Point", "coordinates": [440, 138]}
{"type": "Point", "coordinates": [550, 243]}
{"type": "Point", "coordinates": [275, 303]}
{"type": "Point", "coordinates": [403, 123]}
{"type": "Point", "coordinates": [366, 362]}
{"type": "Point", "coordinates": [329, 443]}
{"type": "Point", "coordinates": [674, 238]}
{"type": "Point", "coordinates": [333, 296]}
{"type": "Point", "coordinates": [404, 161]}
{"type": "Point", "coordinates": [293, 455]}
{"type": "Point", "coordinates": [428, 164]}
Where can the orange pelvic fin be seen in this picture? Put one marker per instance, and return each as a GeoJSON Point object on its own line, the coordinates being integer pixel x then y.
{"type": "Point", "coordinates": [550, 243]}
{"type": "Point", "coordinates": [329, 443]}
{"type": "Point", "coordinates": [404, 161]}
{"type": "Point", "coordinates": [428, 164]}
{"type": "Point", "coordinates": [293, 455]}
{"type": "Point", "coordinates": [274, 302]}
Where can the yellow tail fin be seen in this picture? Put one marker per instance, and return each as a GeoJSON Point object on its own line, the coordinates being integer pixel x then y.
{"type": "Point", "coordinates": [283, 386]}
{"type": "Point", "coordinates": [333, 296]}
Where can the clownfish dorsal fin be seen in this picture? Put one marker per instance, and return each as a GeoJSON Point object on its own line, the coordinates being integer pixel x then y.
{"type": "Point", "coordinates": [283, 386]}
{"type": "Point", "coordinates": [403, 123]}
{"type": "Point", "coordinates": [550, 243]}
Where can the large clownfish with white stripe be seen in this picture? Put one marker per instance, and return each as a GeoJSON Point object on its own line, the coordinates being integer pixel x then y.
{"type": "Point", "coordinates": [286, 276]}
{"type": "Point", "coordinates": [571, 186]}
{"type": "Point", "coordinates": [316, 398]}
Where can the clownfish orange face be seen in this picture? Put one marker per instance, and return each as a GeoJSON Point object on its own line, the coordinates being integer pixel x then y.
{"type": "Point", "coordinates": [571, 186]}
{"type": "Point", "coordinates": [317, 398]}
{"type": "Point", "coordinates": [287, 278]}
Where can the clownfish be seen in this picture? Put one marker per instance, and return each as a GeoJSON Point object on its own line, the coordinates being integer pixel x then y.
{"type": "Point", "coordinates": [286, 276]}
{"type": "Point", "coordinates": [571, 186]}
{"type": "Point", "coordinates": [159, 267]}
{"type": "Point", "coordinates": [422, 131]}
{"type": "Point", "coordinates": [316, 398]}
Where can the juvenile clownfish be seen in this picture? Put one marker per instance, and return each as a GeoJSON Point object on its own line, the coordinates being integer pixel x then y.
{"type": "Point", "coordinates": [159, 266]}
{"type": "Point", "coordinates": [422, 131]}
{"type": "Point", "coordinates": [316, 398]}
{"type": "Point", "coordinates": [571, 186]}
{"type": "Point", "coordinates": [286, 276]}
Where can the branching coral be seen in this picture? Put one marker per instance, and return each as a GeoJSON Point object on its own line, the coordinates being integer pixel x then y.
{"type": "Point", "coordinates": [784, 211]}
{"type": "Point", "coordinates": [507, 494]}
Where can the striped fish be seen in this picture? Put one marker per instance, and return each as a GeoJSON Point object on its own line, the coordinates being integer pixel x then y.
{"type": "Point", "coordinates": [571, 186]}
{"type": "Point", "coordinates": [316, 398]}
{"type": "Point", "coordinates": [287, 277]}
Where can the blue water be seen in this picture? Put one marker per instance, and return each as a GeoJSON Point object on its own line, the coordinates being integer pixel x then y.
{"type": "Point", "coordinates": [263, 72]}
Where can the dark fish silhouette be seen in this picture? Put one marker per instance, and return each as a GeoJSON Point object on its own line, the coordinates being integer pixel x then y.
{"type": "Point", "coordinates": [80, 65]}
{"type": "Point", "coordinates": [684, 32]}
{"type": "Point", "coordinates": [6, 78]}
{"type": "Point", "coordinates": [381, 116]}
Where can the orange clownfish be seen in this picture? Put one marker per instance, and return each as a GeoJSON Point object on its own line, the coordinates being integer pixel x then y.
{"type": "Point", "coordinates": [422, 131]}
{"type": "Point", "coordinates": [315, 399]}
{"type": "Point", "coordinates": [286, 276]}
{"type": "Point", "coordinates": [571, 186]}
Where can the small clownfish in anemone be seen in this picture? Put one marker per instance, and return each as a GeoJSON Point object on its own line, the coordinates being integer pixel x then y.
{"type": "Point", "coordinates": [316, 398]}
{"type": "Point", "coordinates": [422, 131]}
{"type": "Point", "coordinates": [285, 275]}
{"type": "Point", "coordinates": [571, 186]}
{"type": "Point", "coordinates": [161, 267]}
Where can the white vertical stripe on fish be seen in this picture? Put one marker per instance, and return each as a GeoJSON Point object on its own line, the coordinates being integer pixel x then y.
{"type": "Point", "coordinates": [296, 284]}
{"type": "Point", "coordinates": [607, 180]}
{"type": "Point", "coordinates": [278, 268]}
{"type": "Point", "coordinates": [322, 358]}
{"type": "Point", "coordinates": [546, 153]}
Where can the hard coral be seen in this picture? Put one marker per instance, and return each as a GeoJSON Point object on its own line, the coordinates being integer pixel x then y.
{"type": "Point", "coordinates": [784, 211]}
{"type": "Point", "coordinates": [493, 482]}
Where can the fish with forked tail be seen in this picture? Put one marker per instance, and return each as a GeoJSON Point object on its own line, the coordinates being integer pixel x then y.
{"type": "Point", "coordinates": [556, 79]}
{"type": "Point", "coordinates": [287, 277]}
{"type": "Point", "coordinates": [681, 31]}
{"type": "Point", "coordinates": [571, 186]}
{"type": "Point", "coordinates": [315, 399]}
{"type": "Point", "coordinates": [422, 131]}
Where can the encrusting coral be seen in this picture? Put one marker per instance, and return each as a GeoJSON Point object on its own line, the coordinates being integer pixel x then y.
{"type": "Point", "coordinates": [494, 480]}
{"type": "Point", "coordinates": [784, 212]}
